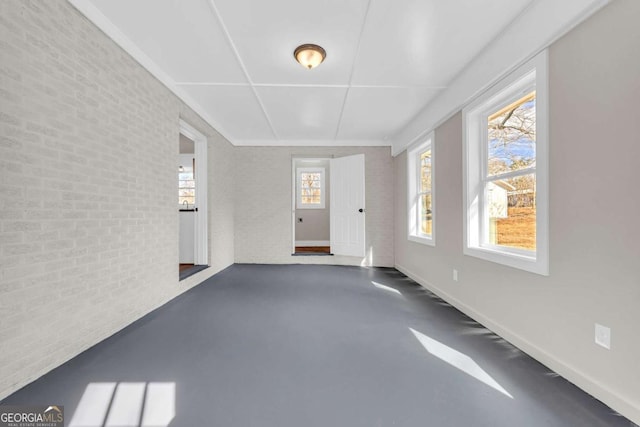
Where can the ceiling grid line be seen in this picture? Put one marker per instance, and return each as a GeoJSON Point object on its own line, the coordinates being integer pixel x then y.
{"type": "Point", "coordinates": [353, 66]}
{"type": "Point", "coordinates": [212, 84]}
{"type": "Point", "coordinates": [394, 70]}
{"type": "Point", "coordinates": [242, 66]}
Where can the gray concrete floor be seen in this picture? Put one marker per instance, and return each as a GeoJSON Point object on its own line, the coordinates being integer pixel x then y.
{"type": "Point", "coordinates": [266, 345]}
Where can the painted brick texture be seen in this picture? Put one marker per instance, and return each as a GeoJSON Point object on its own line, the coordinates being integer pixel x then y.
{"type": "Point", "coordinates": [88, 218]}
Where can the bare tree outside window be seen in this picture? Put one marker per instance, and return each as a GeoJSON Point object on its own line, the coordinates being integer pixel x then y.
{"type": "Point", "coordinates": [311, 188]}
{"type": "Point", "coordinates": [510, 183]}
{"type": "Point", "coordinates": [424, 193]}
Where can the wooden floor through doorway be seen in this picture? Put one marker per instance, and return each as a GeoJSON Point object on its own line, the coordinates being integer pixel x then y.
{"type": "Point", "coordinates": [184, 267]}
{"type": "Point", "coordinates": [313, 250]}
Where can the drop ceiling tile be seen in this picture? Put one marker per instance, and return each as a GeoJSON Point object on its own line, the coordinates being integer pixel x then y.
{"type": "Point", "coordinates": [427, 42]}
{"type": "Point", "coordinates": [184, 38]}
{"type": "Point", "coordinates": [266, 33]}
{"type": "Point", "coordinates": [303, 113]}
{"type": "Point", "coordinates": [379, 113]}
{"type": "Point", "coordinates": [235, 107]}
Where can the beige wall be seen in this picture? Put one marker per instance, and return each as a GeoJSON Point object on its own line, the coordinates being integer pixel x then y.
{"type": "Point", "coordinates": [88, 187]}
{"type": "Point", "coordinates": [264, 196]}
{"type": "Point", "coordinates": [594, 206]}
{"type": "Point", "coordinates": [315, 225]}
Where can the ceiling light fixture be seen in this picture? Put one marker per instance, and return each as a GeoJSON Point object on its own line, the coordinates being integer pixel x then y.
{"type": "Point", "coordinates": [309, 55]}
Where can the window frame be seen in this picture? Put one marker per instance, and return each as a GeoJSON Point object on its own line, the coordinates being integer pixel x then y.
{"type": "Point", "coordinates": [323, 188]}
{"type": "Point", "coordinates": [414, 153]}
{"type": "Point", "coordinates": [533, 75]}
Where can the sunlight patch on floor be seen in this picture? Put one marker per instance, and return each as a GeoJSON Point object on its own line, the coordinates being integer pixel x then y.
{"type": "Point", "coordinates": [386, 288]}
{"type": "Point", "coordinates": [126, 404]}
{"type": "Point", "coordinates": [367, 261]}
{"type": "Point", "coordinates": [458, 360]}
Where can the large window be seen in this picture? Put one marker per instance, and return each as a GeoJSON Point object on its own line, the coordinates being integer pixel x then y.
{"type": "Point", "coordinates": [421, 192]}
{"type": "Point", "coordinates": [506, 171]}
{"type": "Point", "coordinates": [311, 188]}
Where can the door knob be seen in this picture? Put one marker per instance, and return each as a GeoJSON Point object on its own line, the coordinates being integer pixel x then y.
{"type": "Point", "coordinates": [360, 210]}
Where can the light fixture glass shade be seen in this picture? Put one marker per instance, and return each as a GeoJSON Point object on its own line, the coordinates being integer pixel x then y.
{"type": "Point", "coordinates": [309, 55]}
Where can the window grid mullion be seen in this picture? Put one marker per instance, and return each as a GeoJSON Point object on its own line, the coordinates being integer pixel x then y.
{"type": "Point", "coordinates": [510, 174]}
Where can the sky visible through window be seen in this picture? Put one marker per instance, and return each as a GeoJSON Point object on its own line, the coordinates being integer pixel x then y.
{"type": "Point", "coordinates": [512, 149]}
{"type": "Point", "coordinates": [512, 136]}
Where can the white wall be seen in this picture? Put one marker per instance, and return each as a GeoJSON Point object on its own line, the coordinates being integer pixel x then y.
{"type": "Point", "coordinates": [594, 205]}
{"type": "Point", "coordinates": [88, 218]}
{"type": "Point", "coordinates": [263, 202]}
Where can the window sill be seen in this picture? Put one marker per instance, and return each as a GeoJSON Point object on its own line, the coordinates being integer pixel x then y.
{"type": "Point", "coordinates": [530, 263]}
{"type": "Point", "coordinates": [429, 241]}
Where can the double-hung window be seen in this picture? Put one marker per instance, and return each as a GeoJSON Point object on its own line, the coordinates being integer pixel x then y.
{"type": "Point", "coordinates": [506, 171]}
{"type": "Point", "coordinates": [421, 192]}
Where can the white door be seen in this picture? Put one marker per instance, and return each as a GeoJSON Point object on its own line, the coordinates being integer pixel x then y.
{"type": "Point", "coordinates": [347, 206]}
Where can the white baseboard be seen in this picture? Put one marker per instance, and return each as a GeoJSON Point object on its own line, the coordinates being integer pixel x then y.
{"type": "Point", "coordinates": [312, 243]}
{"type": "Point", "coordinates": [601, 392]}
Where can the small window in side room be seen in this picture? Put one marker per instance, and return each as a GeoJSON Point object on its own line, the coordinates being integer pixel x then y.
{"type": "Point", "coordinates": [506, 171]}
{"type": "Point", "coordinates": [421, 192]}
{"type": "Point", "coordinates": [186, 186]}
{"type": "Point", "coordinates": [310, 188]}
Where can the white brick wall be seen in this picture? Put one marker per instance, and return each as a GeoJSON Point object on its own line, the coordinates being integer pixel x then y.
{"type": "Point", "coordinates": [263, 204]}
{"type": "Point", "coordinates": [220, 194]}
{"type": "Point", "coordinates": [88, 218]}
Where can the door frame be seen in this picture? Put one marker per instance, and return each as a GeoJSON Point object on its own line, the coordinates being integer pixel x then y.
{"type": "Point", "coordinates": [330, 158]}
{"type": "Point", "coordinates": [201, 238]}
{"type": "Point", "coordinates": [294, 183]}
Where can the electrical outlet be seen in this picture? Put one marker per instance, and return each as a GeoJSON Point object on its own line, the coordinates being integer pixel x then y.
{"type": "Point", "coordinates": [603, 336]}
{"type": "Point", "coordinates": [455, 275]}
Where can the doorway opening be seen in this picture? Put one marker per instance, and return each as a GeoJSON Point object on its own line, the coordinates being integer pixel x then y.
{"type": "Point", "coordinates": [328, 206]}
{"type": "Point", "coordinates": [311, 206]}
{"type": "Point", "coordinates": [192, 202]}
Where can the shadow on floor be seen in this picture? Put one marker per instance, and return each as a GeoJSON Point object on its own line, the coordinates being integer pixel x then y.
{"type": "Point", "coordinates": [309, 345]}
